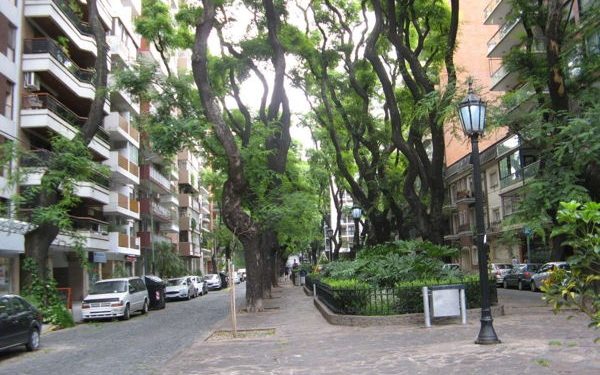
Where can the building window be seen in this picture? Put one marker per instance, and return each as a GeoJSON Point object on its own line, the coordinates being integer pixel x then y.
{"type": "Point", "coordinates": [510, 204]}
{"type": "Point", "coordinates": [8, 38]}
{"type": "Point", "coordinates": [493, 178]}
{"type": "Point", "coordinates": [496, 215]}
{"type": "Point", "coordinates": [7, 89]}
{"type": "Point", "coordinates": [510, 165]}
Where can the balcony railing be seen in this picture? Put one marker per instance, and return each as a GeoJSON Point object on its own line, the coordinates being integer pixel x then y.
{"type": "Point", "coordinates": [47, 101]}
{"type": "Point", "coordinates": [501, 33]}
{"type": "Point", "coordinates": [490, 8]}
{"type": "Point", "coordinates": [160, 210]}
{"type": "Point", "coordinates": [46, 45]}
{"type": "Point", "coordinates": [520, 175]}
{"type": "Point", "coordinates": [83, 27]}
{"type": "Point", "coordinates": [89, 224]}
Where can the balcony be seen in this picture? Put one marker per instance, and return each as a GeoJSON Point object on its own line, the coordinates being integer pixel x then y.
{"type": "Point", "coordinates": [123, 169]}
{"type": "Point", "coordinates": [465, 230]}
{"type": "Point", "coordinates": [43, 111]}
{"type": "Point", "coordinates": [188, 201]}
{"type": "Point", "coordinates": [464, 196]}
{"type": "Point", "coordinates": [96, 190]}
{"type": "Point", "coordinates": [121, 243]}
{"type": "Point", "coordinates": [188, 180]}
{"type": "Point", "coordinates": [151, 174]}
{"type": "Point", "coordinates": [158, 212]}
{"type": "Point", "coordinates": [171, 226]}
{"type": "Point", "coordinates": [519, 178]}
{"type": "Point", "coordinates": [146, 239]}
{"type": "Point", "coordinates": [504, 80]}
{"type": "Point", "coordinates": [170, 199]}
{"type": "Point", "coordinates": [188, 249]}
{"type": "Point", "coordinates": [57, 15]}
{"type": "Point", "coordinates": [496, 11]}
{"type": "Point", "coordinates": [187, 223]}
{"type": "Point", "coordinates": [120, 129]}
{"type": "Point", "coordinates": [122, 99]}
{"type": "Point", "coordinates": [94, 233]}
{"type": "Point", "coordinates": [121, 204]}
{"type": "Point", "coordinates": [44, 55]}
{"type": "Point", "coordinates": [507, 36]}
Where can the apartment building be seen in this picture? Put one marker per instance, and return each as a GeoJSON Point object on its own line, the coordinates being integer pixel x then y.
{"type": "Point", "coordinates": [507, 164]}
{"type": "Point", "coordinates": [47, 55]}
{"type": "Point", "coordinates": [344, 232]}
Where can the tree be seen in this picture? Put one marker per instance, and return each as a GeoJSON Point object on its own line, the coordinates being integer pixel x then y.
{"type": "Point", "coordinates": [383, 113]}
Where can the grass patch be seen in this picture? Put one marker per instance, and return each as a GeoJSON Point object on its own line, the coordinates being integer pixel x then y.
{"type": "Point", "coordinates": [571, 344]}
{"type": "Point", "coordinates": [555, 343]}
{"type": "Point", "coordinates": [543, 362]}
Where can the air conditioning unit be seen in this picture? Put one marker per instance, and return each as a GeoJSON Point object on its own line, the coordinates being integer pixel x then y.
{"type": "Point", "coordinates": [31, 81]}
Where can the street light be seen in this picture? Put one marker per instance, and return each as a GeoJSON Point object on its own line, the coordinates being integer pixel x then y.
{"type": "Point", "coordinates": [472, 112]}
{"type": "Point", "coordinates": [330, 242]}
{"type": "Point", "coordinates": [356, 214]}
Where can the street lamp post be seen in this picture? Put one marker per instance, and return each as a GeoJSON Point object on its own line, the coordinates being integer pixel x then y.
{"type": "Point", "coordinates": [356, 214]}
{"type": "Point", "coordinates": [330, 243]}
{"type": "Point", "coordinates": [472, 111]}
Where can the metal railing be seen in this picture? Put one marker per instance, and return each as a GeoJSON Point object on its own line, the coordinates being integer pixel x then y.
{"type": "Point", "coordinates": [159, 178]}
{"type": "Point", "coordinates": [490, 8]}
{"type": "Point", "coordinates": [47, 101]}
{"type": "Point", "coordinates": [520, 175]}
{"type": "Point", "coordinates": [46, 45]}
{"type": "Point", "coordinates": [83, 27]}
{"type": "Point", "coordinates": [501, 33]}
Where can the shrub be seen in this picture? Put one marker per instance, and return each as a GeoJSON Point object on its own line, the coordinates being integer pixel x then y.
{"type": "Point", "coordinates": [348, 296]}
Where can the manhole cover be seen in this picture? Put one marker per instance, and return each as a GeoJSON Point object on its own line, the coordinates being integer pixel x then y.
{"type": "Point", "coordinates": [224, 335]}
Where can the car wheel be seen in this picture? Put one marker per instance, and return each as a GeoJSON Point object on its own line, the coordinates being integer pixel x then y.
{"type": "Point", "coordinates": [505, 284]}
{"type": "Point", "coordinates": [145, 308]}
{"type": "Point", "coordinates": [189, 296]}
{"type": "Point", "coordinates": [34, 340]}
{"type": "Point", "coordinates": [532, 286]}
{"type": "Point", "coordinates": [520, 285]}
{"type": "Point", "coordinates": [126, 313]}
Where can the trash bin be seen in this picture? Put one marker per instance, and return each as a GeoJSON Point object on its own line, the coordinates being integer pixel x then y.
{"type": "Point", "coordinates": [302, 277]}
{"type": "Point", "coordinates": [156, 291]}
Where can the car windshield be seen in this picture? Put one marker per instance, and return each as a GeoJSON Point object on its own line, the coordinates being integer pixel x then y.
{"type": "Point", "coordinates": [503, 266]}
{"type": "Point", "coordinates": [210, 276]}
{"type": "Point", "coordinates": [172, 282]}
{"type": "Point", "coordinates": [103, 287]}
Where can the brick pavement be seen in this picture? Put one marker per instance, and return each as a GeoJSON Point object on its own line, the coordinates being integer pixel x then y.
{"type": "Point", "coordinates": [534, 341]}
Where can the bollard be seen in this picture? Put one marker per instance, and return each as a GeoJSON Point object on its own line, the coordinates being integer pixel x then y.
{"type": "Point", "coordinates": [314, 291]}
{"type": "Point", "coordinates": [426, 307]}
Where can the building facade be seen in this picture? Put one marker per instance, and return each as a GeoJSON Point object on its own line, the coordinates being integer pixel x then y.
{"type": "Point", "coordinates": [47, 56]}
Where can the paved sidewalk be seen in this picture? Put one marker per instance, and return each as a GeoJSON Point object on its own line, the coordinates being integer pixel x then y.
{"type": "Point", "coordinates": [534, 341]}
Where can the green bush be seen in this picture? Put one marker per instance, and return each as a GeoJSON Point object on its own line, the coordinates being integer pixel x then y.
{"type": "Point", "coordinates": [386, 264]}
{"type": "Point", "coordinates": [349, 296]}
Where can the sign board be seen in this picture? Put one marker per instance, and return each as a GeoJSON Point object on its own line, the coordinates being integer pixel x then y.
{"type": "Point", "coordinates": [99, 257]}
{"type": "Point", "coordinates": [130, 258]}
{"type": "Point", "coordinates": [445, 302]}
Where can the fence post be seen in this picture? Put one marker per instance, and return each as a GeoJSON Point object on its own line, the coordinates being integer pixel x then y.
{"type": "Point", "coordinates": [426, 307]}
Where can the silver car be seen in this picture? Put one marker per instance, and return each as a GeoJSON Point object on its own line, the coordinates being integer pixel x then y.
{"type": "Point", "coordinates": [544, 272]}
{"type": "Point", "coordinates": [213, 281]}
{"type": "Point", "coordinates": [499, 270]}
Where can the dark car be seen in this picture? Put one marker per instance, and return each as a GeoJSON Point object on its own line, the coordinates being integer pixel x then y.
{"type": "Point", "coordinates": [520, 275]}
{"type": "Point", "coordinates": [224, 279]}
{"type": "Point", "coordinates": [20, 323]}
{"type": "Point", "coordinates": [156, 291]}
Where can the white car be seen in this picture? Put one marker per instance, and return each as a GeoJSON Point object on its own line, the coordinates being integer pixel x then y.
{"type": "Point", "coordinates": [115, 298]}
{"type": "Point", "coordinates": [236, 278]}
{"type": "Point", "coordinates": [180, 288]}
{"type": "Point", "coordinates": [200, 287]}
{"type": "Point", "coordinates": [213, 281]}
{"type": "Point", "coordinates": [543, 273]}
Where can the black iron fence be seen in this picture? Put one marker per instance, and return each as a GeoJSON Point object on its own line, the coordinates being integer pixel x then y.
{"type": "Point", "coordinates": [388, 301]}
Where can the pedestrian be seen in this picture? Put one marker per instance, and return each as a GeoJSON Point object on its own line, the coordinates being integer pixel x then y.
{"type": "Point", "coordinates": [287, 272]}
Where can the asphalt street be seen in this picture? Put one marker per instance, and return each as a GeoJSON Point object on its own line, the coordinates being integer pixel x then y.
{"type": "Point", "coordinates": [141, 345]}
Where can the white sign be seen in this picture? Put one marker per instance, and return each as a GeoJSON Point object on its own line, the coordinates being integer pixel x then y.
{"type": "Point", "coordinates": [446, 302]}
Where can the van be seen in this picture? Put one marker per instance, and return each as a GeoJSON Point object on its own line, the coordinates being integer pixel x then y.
{"type": "Point", "coordinates": [115, 298]}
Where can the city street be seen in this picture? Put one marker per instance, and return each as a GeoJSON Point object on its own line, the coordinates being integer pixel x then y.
{"type": "Point", "coordinates": [141, 345]}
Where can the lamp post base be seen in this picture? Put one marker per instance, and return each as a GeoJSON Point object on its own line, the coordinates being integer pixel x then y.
{"type": "Point", "coordinates": [487, 335]}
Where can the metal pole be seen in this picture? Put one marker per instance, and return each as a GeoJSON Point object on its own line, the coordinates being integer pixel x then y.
{"type": "Point", "coordinates": [487, 335]}
{"type": "Point", "coordinates": [153, 266]}
{"type": "Point", "coordinates": [528, 248]}
{"type": "Point", "coordinates": [355, 244]}
{"type": "Point", "coordinates": [233, 314]}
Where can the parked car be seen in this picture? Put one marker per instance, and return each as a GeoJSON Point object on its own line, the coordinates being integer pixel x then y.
{"type": "Point", "coordinates": [451, 267]}
{"type": "Point", "coordinates": [242, 273]}
{"type": "Point", "coordinates": [115, 298]}
{"type": "Point", "coordinates": [213, 281]}
{"type": "Point", "coordinates": [200, 288]}
{"type": "Point", "coordinates": [544, 272]}
{"type": "Point", "coordinates": [156, 291]}
{"type": "Point", "coordinates": [20, 323]}
{"type": "Point", "coordinates": [236, 277]}
{"type": "Point", "coordinates": [520, 275]}
{"type": "Point", "coordinates": [499, 270]}
{"type": "Point", "coordinates": [180, 288]}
